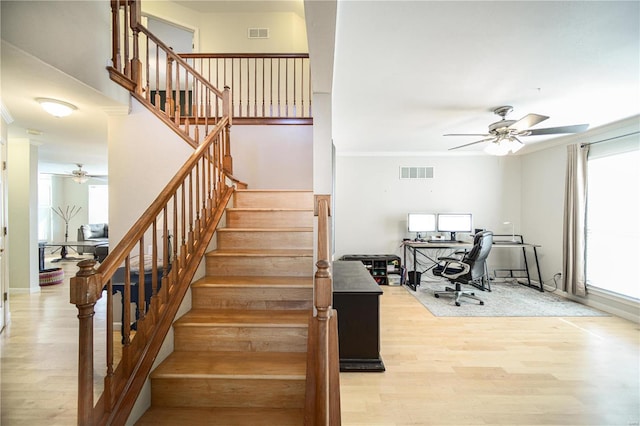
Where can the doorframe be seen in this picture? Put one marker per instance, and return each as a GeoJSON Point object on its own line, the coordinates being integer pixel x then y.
{"type": "Point", "coordinates": [5, 120]}
{"type": "Point", "coordinates": [169, 21]}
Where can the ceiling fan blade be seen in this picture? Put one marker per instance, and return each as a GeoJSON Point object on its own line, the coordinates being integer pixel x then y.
{"type": "Point", "coordinates": [527, 121]}
{"type": "Point", "coordinates": [466, 134]}
{"type": "Point", "coordinates": [577, 128]}
{"type": "Point", "coordinates": [472, 143]}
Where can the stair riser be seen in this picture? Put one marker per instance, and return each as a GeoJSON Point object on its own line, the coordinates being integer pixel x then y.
{"type": "Point", "coordinates": [276, 199]}
{"type": "Point", "coordinates": [227, 392]}
{"type": "Point", "coordinates": [269, 219]}
{"type": "Point", "coordinates": [251, 298]}
{"type": "Point", "coordinates": [259, 266]}
{"type": "Point", "coordinates": [229, 338]}
{"type": "Point", "coordinates": [229, 239]}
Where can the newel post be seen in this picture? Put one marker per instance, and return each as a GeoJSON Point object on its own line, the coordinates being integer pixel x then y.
{"type": "Point", "coordinates": [227, 161]}
{"type": "Point", "coordinates": [320, 407]}
{"type": "Point", "coordinates": [85, 291]}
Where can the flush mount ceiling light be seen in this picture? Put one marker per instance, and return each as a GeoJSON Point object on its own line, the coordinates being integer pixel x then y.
{"type": "Point", "coordinates": [55, 107]}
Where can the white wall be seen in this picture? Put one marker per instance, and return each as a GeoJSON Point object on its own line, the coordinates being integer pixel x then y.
{"type": "Point", "coordinates": [227, 32]}
{"type": "Point", "coordinates": [144, 155]}
{"type": "Point", "coordinates": [22, 165]}
{"type": "Point", "coordinates": [273, 157]}
{"type": "Point", "coordinates": [372, 202]}
{"type": "Point", "coordinates": [65, 34]}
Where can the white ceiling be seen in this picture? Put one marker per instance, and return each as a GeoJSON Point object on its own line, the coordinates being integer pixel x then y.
{"type": "Point", "coordinates": [62, 142]}
{"type": "Point", "coordinates": [405, 73]}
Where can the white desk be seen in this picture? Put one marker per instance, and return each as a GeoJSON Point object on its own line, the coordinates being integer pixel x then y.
{"type": "Point", "coordinates": [424, 248]}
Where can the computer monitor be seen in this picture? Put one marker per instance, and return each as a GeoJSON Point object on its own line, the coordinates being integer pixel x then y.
{"type": "Point", "coordinates": [455, 222]}
{"type": "Point", "coordinates": [421, 223]}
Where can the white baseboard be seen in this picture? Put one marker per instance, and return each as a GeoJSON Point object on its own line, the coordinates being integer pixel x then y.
{"type": "Point", "coordinates": [611, 303]}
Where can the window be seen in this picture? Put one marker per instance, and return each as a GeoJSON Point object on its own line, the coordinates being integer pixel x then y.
{"type": "Point", "coordinates": [98, 204]}
{"type": "Point", "coordinates": [44, 207]}
{"type": "Point", "coordinates": [613, 217]}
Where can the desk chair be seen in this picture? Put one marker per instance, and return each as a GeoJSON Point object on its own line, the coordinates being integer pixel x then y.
{"type": "Point", "coordinates": [468, 270]}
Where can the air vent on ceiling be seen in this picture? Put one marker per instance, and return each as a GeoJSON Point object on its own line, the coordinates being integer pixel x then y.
{"type": "Point", "coordinates": [258, 32]}
{"type": "Point", "coordinates": [416, 172]}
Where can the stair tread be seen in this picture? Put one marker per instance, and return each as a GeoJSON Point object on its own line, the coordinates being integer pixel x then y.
{"type": "Point", "coordinates": [276, 229]}
{"type": "Point", "coordinates": [243, 317]}
{"type": "Point", "coordinates": [282, 190]}
{"type": "Point", "coordinates": [222, 416]}
{"type": "Point", "coordinates": [262, 252]}
{"type": "Point", "coordinates": [238, 365]}
{"type": "Point", "coordinates": [254, 281]}
{"type": "Point", "coordinates": [270, 209]}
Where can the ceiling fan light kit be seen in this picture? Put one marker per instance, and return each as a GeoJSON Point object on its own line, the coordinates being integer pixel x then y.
{"type": "Point", "coordinates": [55, 107]}
{"type": "Point", "coordinates": [80, 176]}
{"type": "Point", "coordinates": [80, 179]}
{"type": "Point", "coordinates": [504, 146]}
{"type": "Point", "coordinates": [503, 135]}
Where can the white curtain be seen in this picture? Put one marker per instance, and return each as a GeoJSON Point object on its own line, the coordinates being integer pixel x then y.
{"type": "Point", "coordinates": [574, 226]}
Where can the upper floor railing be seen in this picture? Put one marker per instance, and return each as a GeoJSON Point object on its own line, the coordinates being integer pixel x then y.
{"type": "Point", "coordinates": [265, 87]}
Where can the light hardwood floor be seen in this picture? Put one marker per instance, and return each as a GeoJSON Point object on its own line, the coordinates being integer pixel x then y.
{"type": "Point", "coordinates": [440, 371]}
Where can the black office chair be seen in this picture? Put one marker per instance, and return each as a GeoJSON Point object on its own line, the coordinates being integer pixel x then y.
{"type": "Point", "coordinates": [468, 270]}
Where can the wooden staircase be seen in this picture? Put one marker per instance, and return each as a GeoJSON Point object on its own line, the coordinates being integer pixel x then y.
{"type": "Point", "coordinates": [240, 354]}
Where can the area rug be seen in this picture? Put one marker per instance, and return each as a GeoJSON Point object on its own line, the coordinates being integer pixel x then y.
{"type": "Point", "coordinates": [507, 299]}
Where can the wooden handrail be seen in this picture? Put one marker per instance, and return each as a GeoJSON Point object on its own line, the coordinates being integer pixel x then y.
{"type": "Point", "coordinates": [177, 226]}
{"type": "Point", "coordinates": [322, 402]}
{"type": "Point", "coordinates": [159, 255]}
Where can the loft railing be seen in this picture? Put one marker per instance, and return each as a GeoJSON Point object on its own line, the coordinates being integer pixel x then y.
{"type": "Point", "coordinates": [181, 89]}
{"type": "Point", "coordinates": [154, 263]}
{"type": "Point", "coordinates": [265, 87]}
{"type": "Point", "coordinates": [322, 402]}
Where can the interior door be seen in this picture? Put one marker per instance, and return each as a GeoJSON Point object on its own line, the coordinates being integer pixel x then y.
{"type": "Point", "coordinates": [4, 310]}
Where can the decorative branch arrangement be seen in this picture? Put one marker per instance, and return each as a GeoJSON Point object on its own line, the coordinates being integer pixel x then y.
{"type": "Point", "coordinates": [67, 215]}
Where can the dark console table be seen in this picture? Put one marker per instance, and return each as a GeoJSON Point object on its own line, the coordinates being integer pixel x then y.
{"type": "Point", "coordinates": [356, 298]}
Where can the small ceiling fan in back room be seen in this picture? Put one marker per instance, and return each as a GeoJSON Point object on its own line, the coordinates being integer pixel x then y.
{"type": "Point", "coordinates": [81, 176]}
{"type": "Point", "coordinates": [503, 136]}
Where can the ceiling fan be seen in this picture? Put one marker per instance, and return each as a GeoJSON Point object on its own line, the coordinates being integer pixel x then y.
{"type": "Point", "coordinates": [81, 176]}
{"type": "Point", "coordinates": [503, 135]}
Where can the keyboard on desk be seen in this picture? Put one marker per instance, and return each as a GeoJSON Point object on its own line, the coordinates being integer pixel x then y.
{"type": "Point", "coordinates": [445, 241]}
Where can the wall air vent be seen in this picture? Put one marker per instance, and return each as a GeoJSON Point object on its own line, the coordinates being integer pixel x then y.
{"type": "Point", "coordinates": [258, 32]}
{"type": "Point", "coordinates": [416, 172]}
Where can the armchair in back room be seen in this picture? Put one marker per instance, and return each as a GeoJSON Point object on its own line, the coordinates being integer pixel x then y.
{"type": "Point", "coordinates": [92, 232]}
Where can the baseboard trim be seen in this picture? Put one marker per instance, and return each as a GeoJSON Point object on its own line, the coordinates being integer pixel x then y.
{"type": "Point", "coordinates": [611, 303]}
